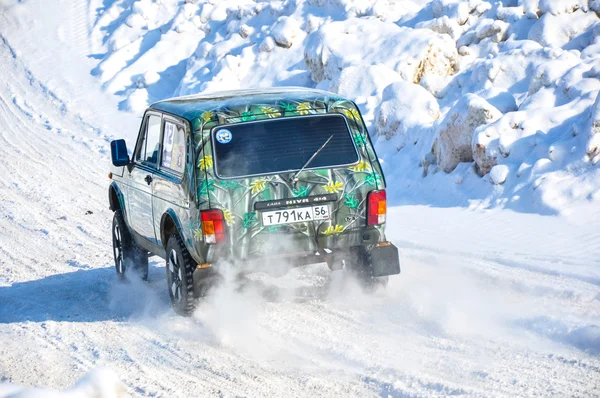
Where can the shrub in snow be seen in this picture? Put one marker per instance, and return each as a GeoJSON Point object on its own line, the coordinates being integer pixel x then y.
{"type": "Point", "coordinates": [454, 134]}
{"type": "Point", "coordinates": [413, 53]}
{"type": "Point", "coordinates": [405, 112]}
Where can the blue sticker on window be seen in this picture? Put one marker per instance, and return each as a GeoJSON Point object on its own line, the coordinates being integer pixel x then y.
{"type": "Point", "coordinates": [223, 136]}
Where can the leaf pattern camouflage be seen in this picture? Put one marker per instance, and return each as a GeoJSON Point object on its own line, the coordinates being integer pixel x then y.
{"type": "Point", "coordinates": [236, 198]}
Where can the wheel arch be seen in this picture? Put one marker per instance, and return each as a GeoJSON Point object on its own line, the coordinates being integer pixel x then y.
{"type": "Point", "coordinates": [169, 224]}
{"type": "Point", "coordinates": [116, 201]}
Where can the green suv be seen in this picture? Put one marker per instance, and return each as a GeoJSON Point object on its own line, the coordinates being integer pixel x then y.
{"type": "Point", "coordinates": [261, 179]}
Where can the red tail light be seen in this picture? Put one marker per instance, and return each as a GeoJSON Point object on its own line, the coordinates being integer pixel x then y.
{"type": "Point", "coordinates": [213, 226]}
{"type": "Point", "coordinates": [376, 207]}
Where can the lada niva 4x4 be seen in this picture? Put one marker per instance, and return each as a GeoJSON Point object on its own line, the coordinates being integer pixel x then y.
{"type": "Point", "coordinates": [260, 179]}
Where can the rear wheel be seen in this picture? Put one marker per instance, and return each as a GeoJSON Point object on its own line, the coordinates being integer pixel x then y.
{"type": "Point", "coordinates": [180, 281]}
{"type": "Point", "coordinates": [127, 255]}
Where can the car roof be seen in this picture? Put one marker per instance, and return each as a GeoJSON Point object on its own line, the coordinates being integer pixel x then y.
{"type": "Point", "coordinates": [192, 106]}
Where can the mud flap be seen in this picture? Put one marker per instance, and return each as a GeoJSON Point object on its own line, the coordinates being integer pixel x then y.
{"type": "Point", "coordinates": [204, 280]}
{"type": "Point", "coordinates": [385, 259]}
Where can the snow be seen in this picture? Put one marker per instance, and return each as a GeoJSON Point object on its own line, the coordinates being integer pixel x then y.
{"type": "Point", "coordinates": [485, 115]}
{"type": "Point", "coordinates": [413, 54]}
{"type": "Point", "coordinates": [99, 383]}
{"type": "Point", "coordinates": [400, 117]}
{"type": "Point", "coordinates": [286, 31]}
{"type": "Point", "coordinates": [499, 173]}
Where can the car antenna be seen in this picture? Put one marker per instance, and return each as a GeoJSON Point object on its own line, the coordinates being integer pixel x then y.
{"type": "Point", "coordinates": [295, 177]}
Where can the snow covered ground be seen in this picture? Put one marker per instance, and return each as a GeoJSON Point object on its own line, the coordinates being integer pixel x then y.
{"type": "Point", "coordinates": [500, 290]}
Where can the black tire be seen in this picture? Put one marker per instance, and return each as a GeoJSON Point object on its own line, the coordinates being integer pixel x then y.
{"type": "Point", "coordinates": [180, 276]}
{"type": "Point", "coordinates": [127, 255]}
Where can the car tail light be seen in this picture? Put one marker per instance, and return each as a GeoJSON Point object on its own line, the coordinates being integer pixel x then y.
{"type": "Point", "coordinates": [213, 226]}
{"type": "Point", "coordinates": [376, 207]}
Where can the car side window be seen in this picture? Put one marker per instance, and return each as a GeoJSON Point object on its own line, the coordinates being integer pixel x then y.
{"type": "Point", "coordinates": [173, 147]}
{"type": "Point", "coordinates": [149, 146]}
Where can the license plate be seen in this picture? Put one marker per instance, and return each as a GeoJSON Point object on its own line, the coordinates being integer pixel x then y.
{"type": "Point", "coordinates": [289, 216]}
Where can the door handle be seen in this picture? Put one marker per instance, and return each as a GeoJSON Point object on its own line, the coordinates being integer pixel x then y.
{"type": "Point", "coordinates": [148, 179]}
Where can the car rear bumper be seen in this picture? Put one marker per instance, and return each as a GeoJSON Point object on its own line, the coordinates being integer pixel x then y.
{"type": "Point", "coordinates": [382, 258]}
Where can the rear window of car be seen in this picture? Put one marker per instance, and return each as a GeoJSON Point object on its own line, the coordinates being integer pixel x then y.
{"type": "Point", "coordinates": [282, 145]}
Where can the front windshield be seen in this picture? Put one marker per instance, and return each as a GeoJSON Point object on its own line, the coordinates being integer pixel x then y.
{"type": "Point", "coordinates": [282, 145]}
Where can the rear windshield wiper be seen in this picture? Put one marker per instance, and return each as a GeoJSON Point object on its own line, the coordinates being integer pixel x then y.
{"type": "Point", "coordinates": [295, 177]}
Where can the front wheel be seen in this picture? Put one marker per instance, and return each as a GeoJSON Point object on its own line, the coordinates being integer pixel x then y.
{"type": "Point", "coordinates": [127, 255]}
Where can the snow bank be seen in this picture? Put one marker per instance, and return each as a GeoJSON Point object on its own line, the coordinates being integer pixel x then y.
{"type": "Point", "coordinates": [442, 83]}
{"type": "Point", "coordinates": [413, 53]}
{"type": "Point", "coordinates": [99, 383]}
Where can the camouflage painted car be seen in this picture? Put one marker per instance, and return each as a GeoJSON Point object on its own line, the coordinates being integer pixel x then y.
{"type": "Point", "coordinates": [262, 179]}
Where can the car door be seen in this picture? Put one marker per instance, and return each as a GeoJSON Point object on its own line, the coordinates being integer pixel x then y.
{"type": "Point", "coordinates": [169, 186]}
{"type": "Point", "coordinates": [141, 176]}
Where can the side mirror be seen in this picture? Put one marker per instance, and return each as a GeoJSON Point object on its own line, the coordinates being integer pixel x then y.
{"type": "Point", "coordinates": [118, 153]}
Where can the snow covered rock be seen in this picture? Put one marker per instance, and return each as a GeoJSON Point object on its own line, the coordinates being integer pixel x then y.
{"type": "Point", "coordinates": [498, 174]}
{"type": "Point", "coordinates": [267, 45]}
{"type": "Point", "coordinates": [454, 134]}
{"type": "Point", "coordinates": [501, 99]}
{"type": "Point", "coordinates": [534, 7]}
{"type": "Point", "coordinates": [405, 112]}
{"type": "Point", "coordinates": [458, 10]}
{"type": "Point", "coordinates": [562, 6]}
{"type": "Point", "coordinates": [286, 31]}
{"type": "Point", "coordinates": [495, 141]}
{"type": "Point", "coordinates": [558, 30]}
{"type": "Point", "coordinates": [357, 81]}
{"type": "Point", "coordinates": [413, 53]}
{"type": "Point", "coordinates": [444, 24]}
{"type": "Point", "coordinates": [494, 29]}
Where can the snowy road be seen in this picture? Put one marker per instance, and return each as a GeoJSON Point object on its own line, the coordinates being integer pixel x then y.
{"type": "Point", "coordinates": [488, 304]}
